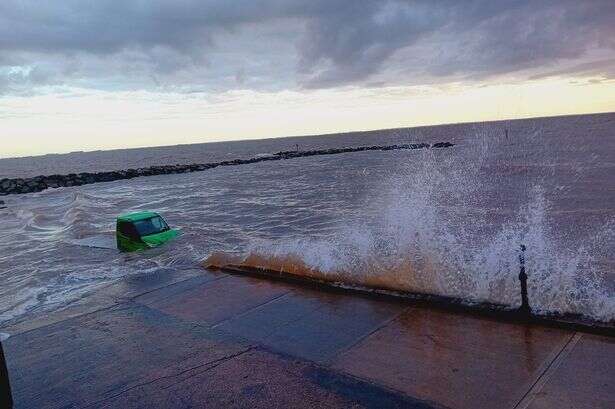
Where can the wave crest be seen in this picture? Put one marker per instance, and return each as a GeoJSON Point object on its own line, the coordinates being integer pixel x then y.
{"type": "Point", "coordinates": [442, 228]}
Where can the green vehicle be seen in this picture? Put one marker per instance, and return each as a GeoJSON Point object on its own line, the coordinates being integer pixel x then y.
{"type": "Point", "coordinates": [142, 230]}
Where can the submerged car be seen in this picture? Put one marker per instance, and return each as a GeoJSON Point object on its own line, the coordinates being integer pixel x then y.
{"type": "Point", "coordinates": [142, 230]}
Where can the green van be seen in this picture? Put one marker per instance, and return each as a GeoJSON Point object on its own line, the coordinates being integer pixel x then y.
{"type": "Point", "coordinates": [142, 230]}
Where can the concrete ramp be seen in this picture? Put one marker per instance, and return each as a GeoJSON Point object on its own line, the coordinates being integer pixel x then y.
{"type": "Point", "coordinates": [221, 340]}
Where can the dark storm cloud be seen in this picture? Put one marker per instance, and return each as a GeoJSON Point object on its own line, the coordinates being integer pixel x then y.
{"type": "Point", "coordinates": [475, 39]}
{"type": "Point", "coordinates": [310, 43]}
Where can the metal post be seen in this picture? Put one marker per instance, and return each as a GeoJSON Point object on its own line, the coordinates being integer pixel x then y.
{"type": "Point", "coordinates": [525, 305]}
{"type": "Point", "coordinates": [6, 400]}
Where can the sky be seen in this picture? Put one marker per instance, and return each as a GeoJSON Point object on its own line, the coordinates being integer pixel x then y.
{"type": "Point", "coordinates": [87, 75]}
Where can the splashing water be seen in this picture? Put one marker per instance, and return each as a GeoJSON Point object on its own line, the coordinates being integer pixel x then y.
{"type": "Point", "coordinates": [440, 227]}
{"type": "Point", "coordinates": [442, 221]}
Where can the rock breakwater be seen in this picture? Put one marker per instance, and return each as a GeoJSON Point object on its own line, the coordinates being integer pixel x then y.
{"type": "Point", "coordinates": [39, 183]}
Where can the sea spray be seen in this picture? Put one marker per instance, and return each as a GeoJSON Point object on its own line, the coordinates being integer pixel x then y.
{"type": "Point", "coordinates": [437, 227]}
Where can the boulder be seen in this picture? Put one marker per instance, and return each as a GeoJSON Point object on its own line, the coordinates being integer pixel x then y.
{"type": "Point", "coordinates": [38, 183]}
{"type": "Point", "coordinates": [442, 145]}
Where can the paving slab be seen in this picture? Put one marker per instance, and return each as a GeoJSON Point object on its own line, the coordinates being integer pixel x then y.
{"type": "Point", "coordinates": [458, 360]}
{"type": "Point", "coordinates": [131, 356]}
{"type": "Point", "coordinates": [87, 359]}
{"type": "Point", "coordinates": [217, 340]}
{"type": "Point", "coordinates": [260, 379]}
{"type": "Point", "coordinates": [313, 324]}
{"type": "Point", "coordinates": [583, 377]}
{"type": "Point", "coordinates": [111, 294]}
{"type": "Point", "coordinates": [214, 301]}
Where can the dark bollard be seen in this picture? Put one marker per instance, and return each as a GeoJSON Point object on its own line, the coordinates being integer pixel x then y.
{"type": "Point", "coordinates": [6, 400]}
{"type": "Point", "coordinates": [525, 305]}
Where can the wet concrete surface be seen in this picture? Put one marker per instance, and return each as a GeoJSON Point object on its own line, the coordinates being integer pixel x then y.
{"type": "Point", "coordinates": [260, 379]}
{"type": "Point", "coordinates": [311, 325]}
{"type": "Point", "coordinates": [458, 360]}
{"type": "Point", "coordinates": [214, 301]}
{"type": "Point", "coordinates": [112, 294]}
{"type": "Point", "coordinates": [215, 340]}
{"type": "Point", "coordinates": [583, 377]}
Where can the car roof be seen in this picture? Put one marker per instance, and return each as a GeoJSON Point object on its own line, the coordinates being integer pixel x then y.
{"type": "Point", "coordinates": [133, 217]}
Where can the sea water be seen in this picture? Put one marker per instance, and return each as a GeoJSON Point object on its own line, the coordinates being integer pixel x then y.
{"type": "Point", "coordinates": [442, 221]}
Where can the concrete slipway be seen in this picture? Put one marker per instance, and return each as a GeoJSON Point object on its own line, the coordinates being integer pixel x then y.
{"type": "Point", "coordinates": [209, 339]}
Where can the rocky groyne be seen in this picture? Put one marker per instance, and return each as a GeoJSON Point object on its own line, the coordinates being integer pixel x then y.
{"type": "Point", "coordinates": [39, 183]}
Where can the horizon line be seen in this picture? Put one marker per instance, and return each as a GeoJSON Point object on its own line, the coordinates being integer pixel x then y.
{"type": "Point", "coordinates": [308, 135]}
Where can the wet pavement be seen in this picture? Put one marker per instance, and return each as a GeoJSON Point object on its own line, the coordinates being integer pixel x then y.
{"type": "Point", "coordinates": [207, 339]}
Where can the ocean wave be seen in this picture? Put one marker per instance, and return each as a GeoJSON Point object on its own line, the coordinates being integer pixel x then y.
{"type": "Point", "coordinates": [432, 231]}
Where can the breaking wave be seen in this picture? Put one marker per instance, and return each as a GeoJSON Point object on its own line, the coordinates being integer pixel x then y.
{"type": "Point", "coordinates": [440, 227]}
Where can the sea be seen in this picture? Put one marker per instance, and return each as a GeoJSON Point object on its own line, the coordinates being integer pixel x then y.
{"type": "Point", "coordinates": [440, 221]}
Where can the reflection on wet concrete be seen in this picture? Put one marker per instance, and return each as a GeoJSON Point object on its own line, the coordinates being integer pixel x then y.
{"type": "Point", "coordinates": [582, 378]}
{"type": "Point", "coordinates": [231, 341]}
{"type": "Point", "coordinates": [109, 295]}
{"type": "Point", "coordinates": [311, 325]}
{"type": "Point", "coordinates": [214, 301]}
{"type": "Point", "coordinates": [459, 361]}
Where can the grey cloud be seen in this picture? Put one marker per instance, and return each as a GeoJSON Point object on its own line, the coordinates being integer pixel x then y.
{"type": "Point", "coordinates": [604, 68]}
{"type": "Point", "coordinates": [471, 39]}
{"type": "Point", "coordinates": [354, 42]}
{"type": "Point", "coordinates": [274, 44]}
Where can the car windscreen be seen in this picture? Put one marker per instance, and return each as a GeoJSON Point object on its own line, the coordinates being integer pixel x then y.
{"type": "Point", "coordinates": [127, 229]}
{"type": "Point", "coordinates": [151, 226]}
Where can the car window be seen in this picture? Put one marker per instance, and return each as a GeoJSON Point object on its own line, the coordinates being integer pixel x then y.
{"type": "Point", "coordinates": [158, 223]}
{"type": "Point", "coordinates": [128, 230]}
{"type": "Point", "coordinates": [151, 226]}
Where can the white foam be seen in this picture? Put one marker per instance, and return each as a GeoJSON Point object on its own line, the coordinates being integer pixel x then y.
{"type": "Point", "coordinates": [429, 233]}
